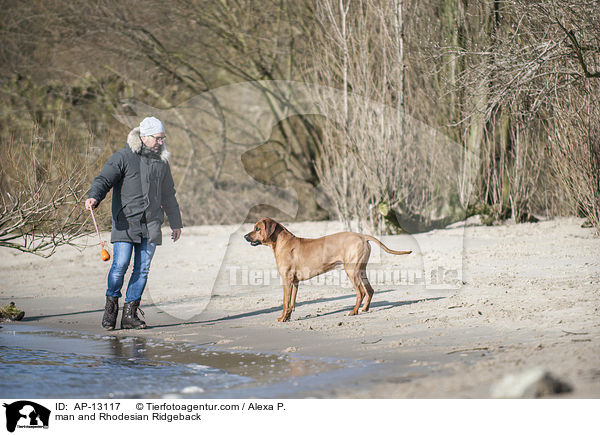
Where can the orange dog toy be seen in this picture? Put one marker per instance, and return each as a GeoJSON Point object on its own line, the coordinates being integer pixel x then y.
{"type": "Point", "coordinates": [103, 253]}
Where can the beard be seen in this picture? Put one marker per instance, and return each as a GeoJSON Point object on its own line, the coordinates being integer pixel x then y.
{"type": "Point", "coordinates": [151, 152]}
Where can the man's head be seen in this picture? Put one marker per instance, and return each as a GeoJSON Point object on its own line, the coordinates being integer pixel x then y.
{"type": "Point", "coordinates": [152, 132]}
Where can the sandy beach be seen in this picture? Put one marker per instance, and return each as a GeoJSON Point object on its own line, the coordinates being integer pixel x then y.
{"type": "Point", "coordinates": [471, 304]}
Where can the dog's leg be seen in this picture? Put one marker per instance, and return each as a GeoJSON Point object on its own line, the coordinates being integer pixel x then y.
{"type": "Point", "coordinates": [294, 293]}
{"type": "Point", "coordinates": [364, 280]}
{"type": "Point", "coordinates": [353, 273]}
{"type": "Point", "coordinates": [287, 290]}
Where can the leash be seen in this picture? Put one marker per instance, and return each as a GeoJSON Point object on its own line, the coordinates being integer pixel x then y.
{"type": "Point", "coordinates": [103, 252]}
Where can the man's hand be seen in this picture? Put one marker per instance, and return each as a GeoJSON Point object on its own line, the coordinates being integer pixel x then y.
{"type": "Point", "coordinates": [91, 203]}
{"type": "Point", "coordinates": [175, 234]}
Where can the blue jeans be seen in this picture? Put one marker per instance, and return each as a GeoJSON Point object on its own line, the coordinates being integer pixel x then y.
{"type": "Point", "coordinates": [122, 251]}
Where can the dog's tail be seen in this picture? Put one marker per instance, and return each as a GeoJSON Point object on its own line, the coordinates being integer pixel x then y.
{"type": "Point", "coordinates": [385, 248]}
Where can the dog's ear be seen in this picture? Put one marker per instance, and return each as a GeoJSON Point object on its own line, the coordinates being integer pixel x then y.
{"type": "Point", "coordinates": [271, 228]}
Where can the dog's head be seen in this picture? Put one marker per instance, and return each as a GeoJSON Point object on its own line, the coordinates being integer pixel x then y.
{"type": "Point", "coordinates": [264, 233]}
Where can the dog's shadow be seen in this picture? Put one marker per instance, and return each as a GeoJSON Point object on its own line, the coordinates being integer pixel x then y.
{"type": "Point", "coordinates": [381, 305]}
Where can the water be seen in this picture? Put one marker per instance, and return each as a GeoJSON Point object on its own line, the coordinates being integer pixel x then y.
{"type": "Point", "coordinates": [38, 363]}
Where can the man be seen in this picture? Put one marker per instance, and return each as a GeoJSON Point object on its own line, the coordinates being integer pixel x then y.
{"type": "Point", "coordinates": [143, 190]}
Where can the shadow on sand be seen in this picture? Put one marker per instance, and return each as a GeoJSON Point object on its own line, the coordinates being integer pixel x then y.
{"type": "Point", "coordinates": [382, 305]}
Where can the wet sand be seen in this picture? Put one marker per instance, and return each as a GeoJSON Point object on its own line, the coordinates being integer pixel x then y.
{"type": "Point", "coordinates": [470, 305]}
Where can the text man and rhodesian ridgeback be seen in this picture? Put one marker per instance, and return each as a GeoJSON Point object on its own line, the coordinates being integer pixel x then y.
{"type": "Point", "coordinates": [299, 259]}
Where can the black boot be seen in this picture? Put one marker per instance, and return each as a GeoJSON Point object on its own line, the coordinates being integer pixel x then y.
{"type": "Point", "coordinates": [130, 320]}
{"type": "Point", "coordinates": [111, 310]}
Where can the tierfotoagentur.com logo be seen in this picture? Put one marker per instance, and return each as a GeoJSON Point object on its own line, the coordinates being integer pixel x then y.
{"type": "Point", "coordinates": [243, 276]}
{"type": "Point", "coordinates": [26, 415]}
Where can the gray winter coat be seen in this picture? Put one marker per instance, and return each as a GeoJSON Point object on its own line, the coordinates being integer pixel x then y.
{"type": "Point", "coordinates": [143, 190]}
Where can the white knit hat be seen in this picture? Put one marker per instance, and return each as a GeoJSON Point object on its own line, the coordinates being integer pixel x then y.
{"type": "Point", "coordinates": [151, 125]}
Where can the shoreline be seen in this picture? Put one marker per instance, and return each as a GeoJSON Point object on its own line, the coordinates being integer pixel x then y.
{"type": "Point", "coordinates": [178, 369]}
{"type": "Point", "coordinates": [529, 297]}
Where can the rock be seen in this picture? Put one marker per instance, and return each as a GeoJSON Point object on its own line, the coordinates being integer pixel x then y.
{"type": "Point", "coordinates": [531, 384]}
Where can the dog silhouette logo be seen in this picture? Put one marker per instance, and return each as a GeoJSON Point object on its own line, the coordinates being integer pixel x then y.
{"type": "Point", "coordinates": [26, 414]}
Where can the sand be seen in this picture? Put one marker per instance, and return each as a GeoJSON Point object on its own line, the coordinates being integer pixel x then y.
{"type": "Point", "coordinates": [471, 304]}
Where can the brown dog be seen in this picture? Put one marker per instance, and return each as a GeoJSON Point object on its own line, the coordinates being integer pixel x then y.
{"type": "Point", "coordinates": [300, 259]}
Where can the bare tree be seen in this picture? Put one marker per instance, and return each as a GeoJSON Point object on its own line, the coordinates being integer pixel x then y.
{"type": "Point", "coordinates": [383, 170]}
{"type": "Point", "coordinates": [575, 151]}
{"type": "Point", "coordinates": [42, 187]}
{"type": "Point", "coordinates": [531, 56]}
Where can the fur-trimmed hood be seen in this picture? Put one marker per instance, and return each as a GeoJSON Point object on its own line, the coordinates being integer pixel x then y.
{"type": "Point", "coordinates": [134, 141]}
